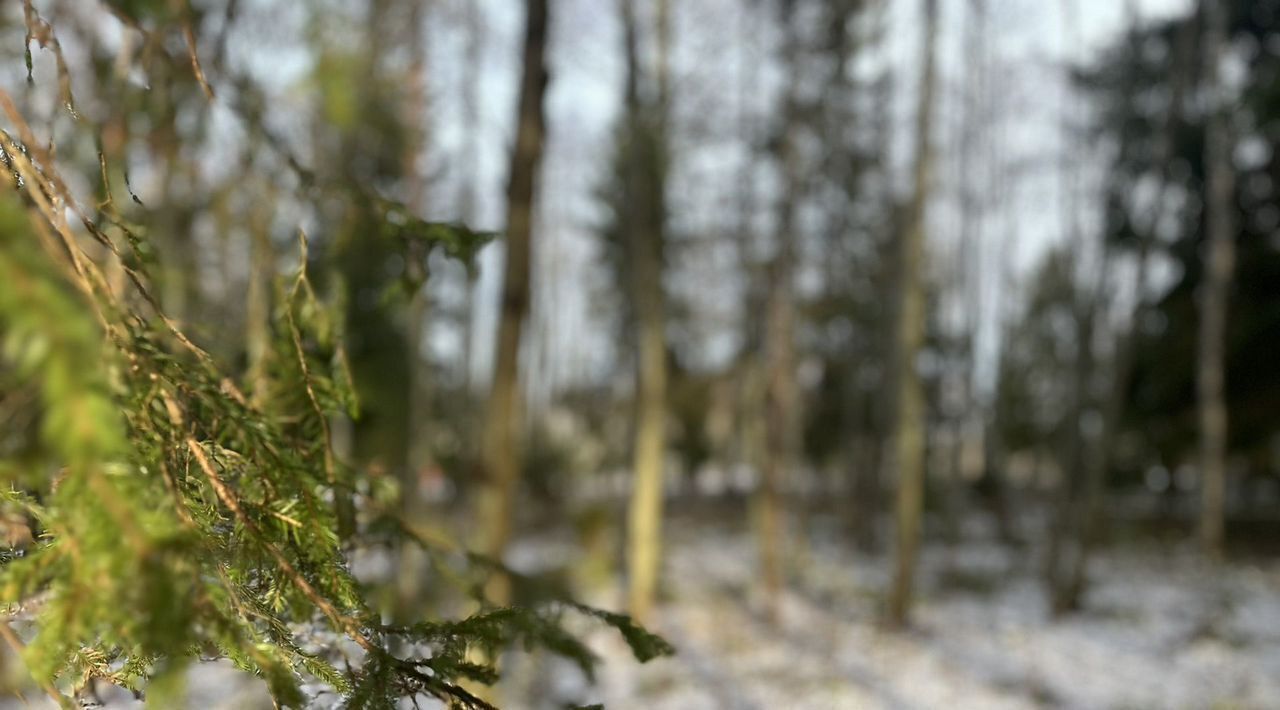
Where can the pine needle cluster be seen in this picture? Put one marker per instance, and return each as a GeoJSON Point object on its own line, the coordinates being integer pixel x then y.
{"type": "Point", "coordinates": [170, 517]}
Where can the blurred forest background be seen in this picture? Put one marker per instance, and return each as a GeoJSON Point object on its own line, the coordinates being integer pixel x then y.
{"type": "Point", "coordinates": [878, 354]}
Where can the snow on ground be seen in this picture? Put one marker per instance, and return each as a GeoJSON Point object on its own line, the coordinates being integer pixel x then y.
{"type": "Point", "coordinates": [1162, 629]}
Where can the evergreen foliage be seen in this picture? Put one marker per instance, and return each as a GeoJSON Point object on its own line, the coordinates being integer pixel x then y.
{"type": "Point", "coordinates": [174, 519]}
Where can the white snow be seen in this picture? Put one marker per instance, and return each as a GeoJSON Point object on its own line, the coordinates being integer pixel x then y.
{"type": "Point", "coordinates": [1162, 628]}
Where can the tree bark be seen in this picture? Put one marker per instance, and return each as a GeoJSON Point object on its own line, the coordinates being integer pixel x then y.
{"type": "Point", "coordinates": [415, 200]}
{"type": "Point", "coordinates": [1066, 547]}
{"type": "Point", "coordinates": [262, 271]}
{"type": "Point", "coordinates": [470, 102]}
{"type": "Point", "coordinates": [909, 425]}
{"type": "Point", "coordinates": [1219, 264]}
{"type": "Point", "coordinates": [779, 355]}
{"type": "Point", "coordinates": [780, 399]}
{"type": "Point", "coordinates": [413, 560]}
{"type": "Point", "coordinates": [500, 457]}
{"type": "Point", "coordinates": [1064, 533]}
{"type": "Point", "coordinates": [971, 186]}
{"type": "Point", "coordinates": [1102, 461]}
{"type": "Point", "coordinates": [643, 234]}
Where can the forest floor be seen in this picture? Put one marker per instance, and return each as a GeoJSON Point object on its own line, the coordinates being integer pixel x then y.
{"type": "Point", "coordinates": [1161, 628]}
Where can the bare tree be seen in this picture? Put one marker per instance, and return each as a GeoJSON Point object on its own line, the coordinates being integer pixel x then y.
{"type": "Point", "coordinates": [779, 350]}
{"type": "Point", "coordinates": [500, 456]}
{"type": "Point", "coordinates": [644, 184]}
{"type": "Point", "coordinates": [413, 560]}
{"type": "Point", "coordinates": [1122, 359]}
{"type": "Point", "coordinates": [1219, 264]}
{"type": "Point", "coordinates": [415, 111]}
{"type": "Point", "coordinates": [1066, 533]}
{"type": "Point", "coordinates": [470, 102]}
{"type": "Point", "coordinates": [262, 270]}
{"type": "Point", "coordinates": [909, 424]}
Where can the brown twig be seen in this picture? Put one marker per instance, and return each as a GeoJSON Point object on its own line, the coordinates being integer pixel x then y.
{"type": "Point", "coordinates": [342, 621]}
{"type": "Point", "coordinates": [330, 465]}
{"type": "Point", "coordinates": [196, 69]}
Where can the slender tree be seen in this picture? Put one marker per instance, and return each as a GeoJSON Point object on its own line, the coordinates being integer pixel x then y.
{"type": "Point", "coordinates": [413, 560]}
{"type": "Point", "coordinates": [970, 186]}
{"type": "Point", "coordinates": [1219, 264]}
{"type": "Point", "coordinates": [1066, 533]}
{"type": "Point", "coordinates": [262, 270]}
{"type": "Point", "coordinates": [1103, 460]}
{"type": "Point", "coordinates": [470, 101]}
{"type": "Point", "coordinates": [909, 423]}
{"type": "Point", "coordinates": [644, 186]}
{"type": "Point", "coordinates": [415, 199]}
{"type": "Point", "coordinates": [500, 457]}
{"type": "Point", "coordinates": [779, 355]}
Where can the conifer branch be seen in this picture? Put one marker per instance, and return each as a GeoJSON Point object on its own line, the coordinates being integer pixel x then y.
{"type": "Point", "coordinates": [343, 622]}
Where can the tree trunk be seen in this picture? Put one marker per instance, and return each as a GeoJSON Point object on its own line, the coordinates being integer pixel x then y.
{"type": "Point", "coordinates": [500, 457]}
{"type": "Point", "coordinates": [1078, 457]}
{"type": "Point", "coordinates": [971, 187]}
{"type": "Point", "coordinates": [645, 514]}
{"type": "Point", "coordinates": [780, 398]}
{"type": "Point", "coordinates": [909, 425]}
{"type": "Point", "coordinates": [415, 200]}
{"type": "Point", "coordinates": [470, 102]}
{"type": "Point", "coordinates": [643, 235]}
{"type": "Point", "coordinates": [1219, 264]}
{"type": "Point", "coordinates": [413, 560]}
{"type": "Point", "coordinates": [779, 355]}
{"type": "Point", "coordinates": [1103, 460]}
{"type": "Point", "coordinates": [262, 271]}
{"type": "Point", "coordinates": [1066, 536]}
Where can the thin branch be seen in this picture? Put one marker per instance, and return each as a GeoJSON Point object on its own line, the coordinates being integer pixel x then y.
{"type": "Point", "coordinates": [343, 622]}
{"type": "Point", "coordinates": [196, 69]}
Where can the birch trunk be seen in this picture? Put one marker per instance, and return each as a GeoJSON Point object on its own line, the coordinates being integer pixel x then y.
{"type": "Point", "coordinates": [643, 234]}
